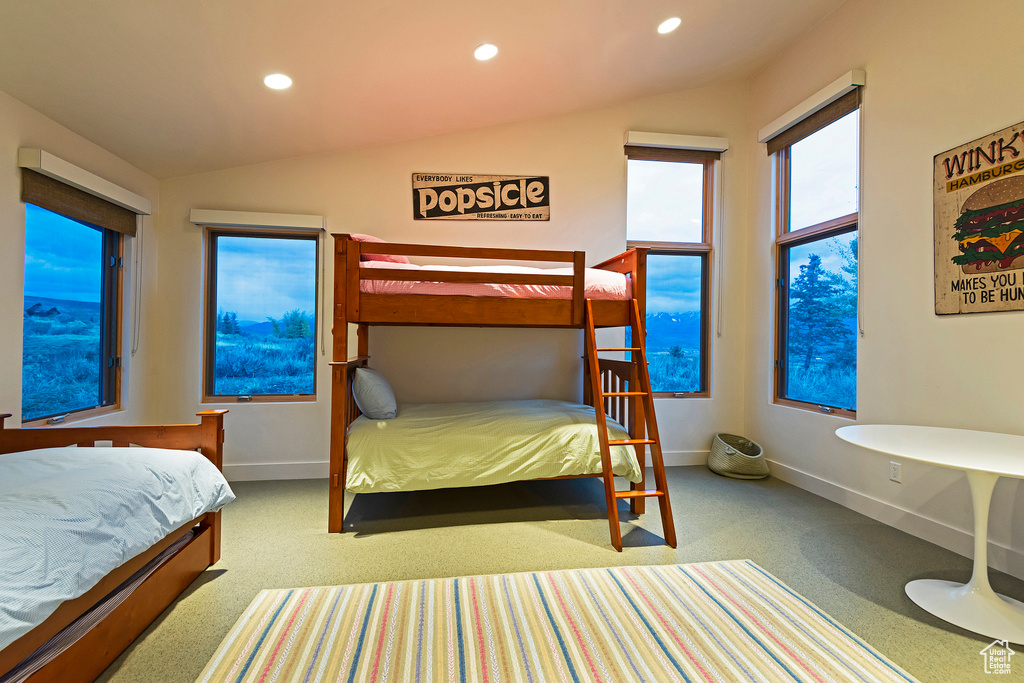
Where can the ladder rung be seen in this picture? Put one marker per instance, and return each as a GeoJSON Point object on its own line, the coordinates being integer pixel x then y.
{"type": "Point", "coordinates": [630, 442]}
{"type": "Point", "coordinates": [623, 393]}
{"type": "Point", "coordinates": [639, 494]}
{"type": "Point", "coordinates": [625, 349]}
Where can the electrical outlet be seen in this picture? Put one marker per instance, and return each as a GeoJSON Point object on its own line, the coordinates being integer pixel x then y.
{"type": "Point", "coordinates": [895, 472]}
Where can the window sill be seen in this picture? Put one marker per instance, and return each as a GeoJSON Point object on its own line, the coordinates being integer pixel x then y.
{"type": "Point", "coordinates": [816, 408]}
{"type": "Point", "coordinates": [238, 401]}
{"type": "Point", "coordinates": [77, 416]}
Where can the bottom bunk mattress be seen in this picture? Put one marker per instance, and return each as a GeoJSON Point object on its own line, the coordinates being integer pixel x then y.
{"type": "Point", "coordinates": [450, 445]}
{"type": "Point", "coordinates": [69, 516]}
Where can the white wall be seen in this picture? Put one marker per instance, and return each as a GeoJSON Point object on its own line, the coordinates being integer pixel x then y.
{"type": "Point", "coordinates": [369, 190]}
{"type": "Point", "coordinates": [21, 126]}
{"type": "Point", "coordinates": [935, 80]}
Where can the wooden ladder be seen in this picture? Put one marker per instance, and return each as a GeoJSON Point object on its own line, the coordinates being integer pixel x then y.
{"type": "Point", "coordinates": [638, 359]}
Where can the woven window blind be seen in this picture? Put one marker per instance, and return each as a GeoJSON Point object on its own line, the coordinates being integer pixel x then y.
{"type": "Point", "coordinates": [669, 153]}
{"type": "Point", "coordinates": [815, 122]}
{"type": "Point", "coordinates": [53, 195]}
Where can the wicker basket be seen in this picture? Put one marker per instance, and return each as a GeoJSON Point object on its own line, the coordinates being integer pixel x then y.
{"type": "Point", "coordinates": [737, 457]}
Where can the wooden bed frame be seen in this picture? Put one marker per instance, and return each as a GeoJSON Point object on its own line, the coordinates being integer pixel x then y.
{"type": "Point", "coordinates": [354, 306]}
{"type": "Point", "coordinates": [351, 305]}
{"type": "Point", "coordinates": [92, 653]}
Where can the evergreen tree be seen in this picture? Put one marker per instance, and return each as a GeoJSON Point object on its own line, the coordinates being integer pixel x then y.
{"type": "Point", "coordinates": [229, 324]}
{"type": "Point", "coordinates": [844, 354]}
{"type": "Point", "coordinates": [295, 325]}
{"type": "Point", "coordinates": [275, 327]}
{"type": "Point", "coordinates": [817, 316]}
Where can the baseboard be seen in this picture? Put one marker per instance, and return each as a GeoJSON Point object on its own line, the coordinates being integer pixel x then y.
{"type": "Point", "coordinates": [961, 542]}
{"type": "Point", "coordinates": [277, 470]}
{"type": "Point", "coordinates": [682, 458]}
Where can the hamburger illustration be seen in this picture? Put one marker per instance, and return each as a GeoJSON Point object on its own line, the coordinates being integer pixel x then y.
{"type": "Point", "coordinates": [990, 229]}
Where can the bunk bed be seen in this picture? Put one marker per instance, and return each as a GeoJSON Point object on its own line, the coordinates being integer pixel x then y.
{"type": "Point", "coordinates": [81, 616]}
{"type": "Point", "coordinates": [375, 284]}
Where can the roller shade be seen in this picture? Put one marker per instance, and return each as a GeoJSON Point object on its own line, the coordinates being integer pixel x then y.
{"type": "Point", "coordinates": [53, 195]}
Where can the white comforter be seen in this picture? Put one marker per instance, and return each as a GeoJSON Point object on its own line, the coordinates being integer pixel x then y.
{"type": "Point", "coordinates": [68, 516]}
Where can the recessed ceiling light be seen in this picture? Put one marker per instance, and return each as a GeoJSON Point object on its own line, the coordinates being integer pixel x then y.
{"type": "Point", "coordinates": [669, 25]}
{"type": "Point", "coordinates": [485, 51]}
{"type": "Point", "coordinates": [277, 81]}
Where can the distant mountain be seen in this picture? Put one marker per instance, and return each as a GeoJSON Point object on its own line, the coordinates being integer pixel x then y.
{"type": "Point", "coordinates": [265, 328]}
{"type": "Point", "coordinates": [665, 330]}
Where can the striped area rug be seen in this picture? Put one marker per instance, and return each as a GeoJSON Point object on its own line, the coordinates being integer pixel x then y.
{"type": "Point", "coordinates": [716, 621]}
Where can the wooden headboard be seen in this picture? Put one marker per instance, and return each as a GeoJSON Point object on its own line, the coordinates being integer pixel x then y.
{"type": "Point", "coordinates": [206, 437]}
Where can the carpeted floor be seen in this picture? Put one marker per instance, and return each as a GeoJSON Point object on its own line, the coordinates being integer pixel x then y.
{"type": "Point", "coordinates": [850, 566]}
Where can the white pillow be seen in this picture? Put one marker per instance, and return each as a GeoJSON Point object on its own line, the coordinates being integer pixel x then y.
{"type": "Point", "coordinates": [373, 395]}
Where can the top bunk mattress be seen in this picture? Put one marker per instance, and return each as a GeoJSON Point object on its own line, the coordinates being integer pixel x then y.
{"type": "Point", "coordinates": [599, 284]}
{"type": "Point", "coordinates": [451, 445]}
{"type": "Point", "coordinates": [69, 516]}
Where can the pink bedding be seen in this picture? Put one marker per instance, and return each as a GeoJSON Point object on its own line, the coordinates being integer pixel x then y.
{"type": "Point", "coordinates": [600, 284]}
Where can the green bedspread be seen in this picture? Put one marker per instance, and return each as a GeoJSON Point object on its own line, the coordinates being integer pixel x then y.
{"type": "Point", "coordinates": [446, 445]}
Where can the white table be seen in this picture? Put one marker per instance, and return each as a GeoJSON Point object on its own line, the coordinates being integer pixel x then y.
{"type": "Point", "coordinates": [985, 457]}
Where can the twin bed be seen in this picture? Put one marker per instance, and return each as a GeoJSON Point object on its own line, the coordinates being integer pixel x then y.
{"type": "Point", "coordinates": [96, 541]}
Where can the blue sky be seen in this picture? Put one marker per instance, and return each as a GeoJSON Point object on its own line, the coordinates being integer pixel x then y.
{"type": "Point", "coordinates": [673, 283]}
{"type": "Point", "coordinates": [824, 174]}
{"type": "Point", "coordinates": [665, 203]}
{"type": "Point", "coordinates": [261, 277]}
{"type": "Point", "coordinates": [62, 257]}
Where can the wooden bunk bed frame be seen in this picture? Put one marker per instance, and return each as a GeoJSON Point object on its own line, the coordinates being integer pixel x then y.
{"type": "Point", "coordinates": [351, 305]}
{"type": "Point", "coordinates": [86, 659]}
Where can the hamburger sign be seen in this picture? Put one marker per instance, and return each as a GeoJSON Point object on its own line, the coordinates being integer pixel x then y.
{"type": "Point", "coordinates": [979, 225]}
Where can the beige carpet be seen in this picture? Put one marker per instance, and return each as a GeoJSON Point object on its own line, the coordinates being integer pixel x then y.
{"type": "Point", "coordinates": [850, 566]}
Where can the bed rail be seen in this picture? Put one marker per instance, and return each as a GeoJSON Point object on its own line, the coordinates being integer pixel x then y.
{"type": "Point", "coordinates": [633, 263]}
{"type": "Point", "coordinates": [619, 376]}
{"type": "Point", "coordinates": [352, 305]}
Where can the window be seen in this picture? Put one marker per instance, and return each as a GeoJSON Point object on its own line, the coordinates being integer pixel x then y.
{"type": "Point", "coordinates": [260, 316]}
{"type": "Point", "coordinates": [817, 170]}
{"type": "Point", "coordinates": [668, 212]}
{"type": "Point", "coordinates": [71, 327]}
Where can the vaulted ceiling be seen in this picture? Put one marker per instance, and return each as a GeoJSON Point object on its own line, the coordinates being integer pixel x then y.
{"type": "Point", "coordinates": [176, 86]}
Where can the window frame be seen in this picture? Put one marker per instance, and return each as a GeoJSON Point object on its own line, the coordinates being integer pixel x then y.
{"type": "Point", "coordinates": [209, 341]}
{"type": "Point", "coordinates": [703, 249]}
{"type": "Point", "coordinates": [785, 239]}
{"type": "Point", "coordinates": [111, 326]}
